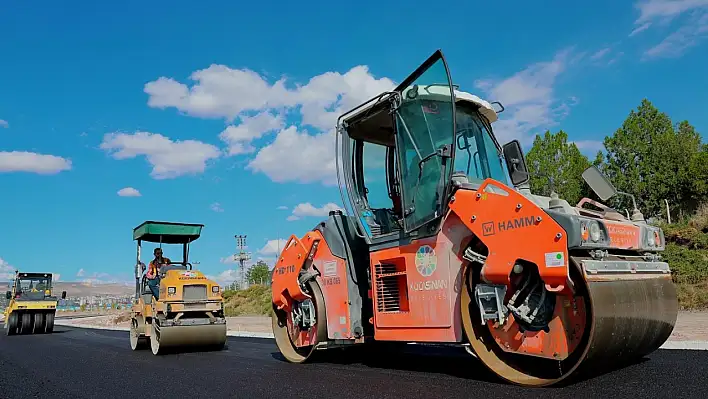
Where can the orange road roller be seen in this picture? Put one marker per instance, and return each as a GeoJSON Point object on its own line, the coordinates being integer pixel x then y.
{"type": "Point", "coordinates": [441, 241]}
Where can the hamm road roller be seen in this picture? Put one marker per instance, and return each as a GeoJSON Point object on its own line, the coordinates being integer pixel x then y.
{"type": "Point", "coordinates": [181, 307]}
{"type": "Point", "coordinates": [442, 242]}
{"type": "Point", "coordinates": [31, 306]}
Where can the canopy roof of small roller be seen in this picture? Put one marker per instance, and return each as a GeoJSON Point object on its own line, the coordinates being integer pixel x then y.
{"type": "Point", "coordinates": [167, 232]}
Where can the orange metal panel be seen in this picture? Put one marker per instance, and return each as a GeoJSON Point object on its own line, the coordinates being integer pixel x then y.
{"type": "Point", "coordinates": [429, 277]}
{"type": "Point", "coordinates": [512, 227]}
{"type": "Point", "coordinates": [623, 235]}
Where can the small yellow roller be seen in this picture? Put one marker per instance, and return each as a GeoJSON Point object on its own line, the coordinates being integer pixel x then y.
{"type": "Point", "coordinates": [181, 308]}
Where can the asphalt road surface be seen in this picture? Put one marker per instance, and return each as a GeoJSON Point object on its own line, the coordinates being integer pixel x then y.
{"type": "Point", "coordinates": [82, 363]}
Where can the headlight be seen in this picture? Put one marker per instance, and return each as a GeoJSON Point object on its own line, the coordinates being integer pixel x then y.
{"type": "Point", "coordinates": [215, 289]}
{"type": "Point", "coordinates": [171, 290]}
{"type": "Point", "coordinates": [595, 232]}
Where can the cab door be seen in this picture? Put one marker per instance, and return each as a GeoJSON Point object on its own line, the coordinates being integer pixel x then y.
{"type": "Point", "coordinates": [413, 282]}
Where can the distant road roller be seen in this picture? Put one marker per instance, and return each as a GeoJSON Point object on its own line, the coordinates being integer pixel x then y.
{"type": "Point", "coordinates": [440, 244]}
{"type": "Point", "coordinates": [188, 310]}
{"type": "Point", "coordinates": [32, 307]}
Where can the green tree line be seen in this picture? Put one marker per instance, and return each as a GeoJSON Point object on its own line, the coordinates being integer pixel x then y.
{"type": "Point", "coordinates": [655, 160]}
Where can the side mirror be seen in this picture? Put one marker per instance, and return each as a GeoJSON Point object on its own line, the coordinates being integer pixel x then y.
{"type": "Point", "coordinates": [515, 162]}
{"type": "Point", "coordinates": [8, 295]}
{"type": "Point", "coordinates": [599, 183]}
{"type": "Point", "coordinates": [63, 295]}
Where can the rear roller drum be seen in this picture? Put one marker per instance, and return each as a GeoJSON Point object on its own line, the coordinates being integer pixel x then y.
{"type": "Point", "coordinates": [295, 326]}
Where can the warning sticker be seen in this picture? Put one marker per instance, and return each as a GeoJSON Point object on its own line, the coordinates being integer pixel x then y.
{"type": "Point", "coordinates": [330, 269]}
{"type": "Point", "coordinates": [555, 259]}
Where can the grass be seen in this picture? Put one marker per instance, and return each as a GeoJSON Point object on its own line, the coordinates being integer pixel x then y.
{"type": "Point", "coordinates": [687, 255]}
{"type": "Point", "coordinates": [253, 301]}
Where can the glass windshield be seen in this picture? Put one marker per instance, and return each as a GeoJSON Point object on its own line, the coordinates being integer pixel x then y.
{"type": "Point", "coordinates": [33, 285]}
{"type": "Point", "coordinates": [476, 155]}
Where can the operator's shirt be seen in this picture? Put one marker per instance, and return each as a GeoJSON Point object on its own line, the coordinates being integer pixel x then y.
{"type": "Point", "coordinates": [153, 267]}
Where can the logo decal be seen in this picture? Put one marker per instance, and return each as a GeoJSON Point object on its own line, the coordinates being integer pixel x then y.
{"type": "Point", "coordinates": [488, 229]}
{"type": "Point", "coordinates": [425, 260]}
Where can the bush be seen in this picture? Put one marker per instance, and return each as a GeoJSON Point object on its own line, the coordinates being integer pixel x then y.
{"type": "Point", "coordinates": [699, 221]}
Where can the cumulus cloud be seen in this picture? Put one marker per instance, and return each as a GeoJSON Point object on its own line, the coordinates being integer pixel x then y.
{"type": "Point", "coordinates": [7, 271]}
{"type": "Point", "coordinates": [239, 137]}
{"type": "Point", "coordinates": [3, 123]}
{"type": "Point", "coordinates": [600, 53]}
{"type": "Point", "coordinates": [128, 192]}
{"type": "Point", "coordinates": [169, 159]}
{"type": "Point", "coordinates": [216, 207]}
{"type": "Point", "coordinates": [261, 107]}
{"type": "Point", "coordinates": [273, 247]}
{"type": "Point", "coordinates": [307, 209]}
{"type": "Point", "coordinates": [31, 162]}
{"type": "Point", "coordinates": [282, 208]}
{"type": "Point", "coordinates": [528, 99]}
{"type": "Point", "coordinates": [103, 278]}
{"type": "Point", "coordinates": [80, 273]}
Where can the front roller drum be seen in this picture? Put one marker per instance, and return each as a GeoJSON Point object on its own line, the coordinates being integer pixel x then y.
{"type": "Point", "coordinates": [627, 317]}
{"type": "Point", "coordinates": [286, 333]}
{"type": "Point", "coordinates": [165, 338]}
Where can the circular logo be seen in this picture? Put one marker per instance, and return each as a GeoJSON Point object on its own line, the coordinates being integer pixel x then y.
{"type": "Point", "coordinates": [425, 260]}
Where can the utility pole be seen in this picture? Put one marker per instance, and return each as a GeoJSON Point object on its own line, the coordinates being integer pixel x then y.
{"type": "Point", "coordinates": [241, 257]}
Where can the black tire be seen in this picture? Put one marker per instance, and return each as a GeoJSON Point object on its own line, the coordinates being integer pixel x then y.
{"type": "Point", "coordinates": [49, 323]}
{"type": "Point", "coordinates": [38, 325]}
{"type": "Point", "coordinates": [26, 323]}
{"type": "Point", "coordinates": [11, 324]}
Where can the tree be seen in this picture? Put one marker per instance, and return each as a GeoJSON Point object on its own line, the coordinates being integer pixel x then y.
{"type": "Point", "coordinates": [259, 273]}
{"type": "Point", "coordinates": [650, 159]}
{"type": "Point", "coordinates": [557, 165]}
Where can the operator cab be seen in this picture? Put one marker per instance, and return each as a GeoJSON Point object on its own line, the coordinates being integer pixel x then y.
{"type": "Point", "coordinates": [401, 150]}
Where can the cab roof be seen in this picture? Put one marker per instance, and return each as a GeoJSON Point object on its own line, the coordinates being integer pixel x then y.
{"type": "Point", "coordinates": [167, 232]}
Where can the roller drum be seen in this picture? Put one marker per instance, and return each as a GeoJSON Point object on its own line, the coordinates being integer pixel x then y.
{"type": "Point", "coordinates": [167, 337]}
{"type": "Point", "coordinates": [628, 316]}
{"type": "Point", "coordinates": [631, 318]}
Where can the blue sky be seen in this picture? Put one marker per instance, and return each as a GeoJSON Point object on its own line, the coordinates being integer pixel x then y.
{"type": "Point", "coordinates": [222, 115]}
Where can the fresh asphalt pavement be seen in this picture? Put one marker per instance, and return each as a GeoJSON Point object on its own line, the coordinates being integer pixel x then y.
{"type": "Point", "coordinates": [86, 363]}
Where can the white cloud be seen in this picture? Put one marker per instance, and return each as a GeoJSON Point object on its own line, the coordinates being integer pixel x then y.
{"type": "Point", "coordinates": [590, 147]}
{"type": "Point", "coordinates": [528, 99]}
{"type": "Point", "coordinates": [216, 207]}
{"type": "Point", "coordinates": [691, 32]}
{"type": "Point", "coordinates": [103, 278]}
{"type": "Point", "coordinates": [640, 29]}
{"type": "Point", "coordinates": [239, 137]}
{"type": "Point", "coordinates": [652, 10]}
{"type": "Point", "coordinates": [676, 44]}
{"type": "Point", "coordinates": [282, 208]}
{"type": "Point", "coordinates": [129, 192]}
{"type": "Point", "coordinates": [600, 53]}
{"type": "Point", "coordinates": [3, 123]}
{"type": "Point", "coordinates": [169, 159]}
{"type": "Point", "coordinates": [273, 247]}
{"type": "Point", "coordinates": [226, 277]}
{"type": "Point", "coordinates": [222, 92]}
{"type": "Point", "coordinates": [307, 209]}
{"type": "Point", "coordinates": [298, 156]}
{"type": "Point", "coordinates": [21, 161]}
{"type": "Point", "coordinates": [7, 271]}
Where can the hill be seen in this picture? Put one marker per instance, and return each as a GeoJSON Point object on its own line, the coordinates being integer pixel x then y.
{"type": "Point", "coordinates": [81, 289]}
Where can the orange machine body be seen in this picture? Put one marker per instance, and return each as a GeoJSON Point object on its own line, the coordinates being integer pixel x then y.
{"type": "Point", "coordinates": [415, 288]}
